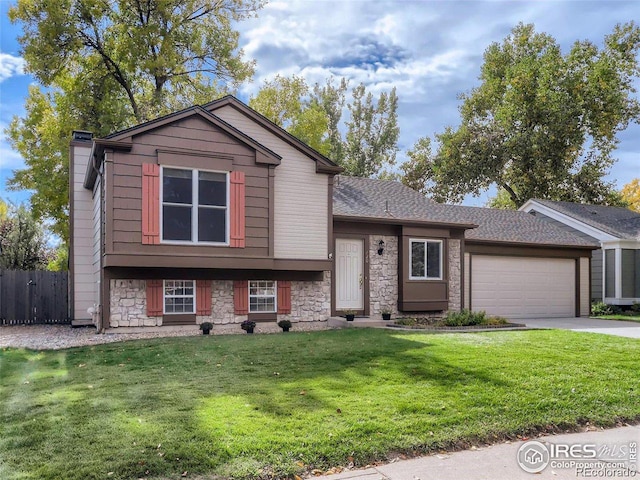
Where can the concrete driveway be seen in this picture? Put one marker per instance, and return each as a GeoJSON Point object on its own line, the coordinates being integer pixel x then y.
{"type": "Point", "coordinates": [594, 325]}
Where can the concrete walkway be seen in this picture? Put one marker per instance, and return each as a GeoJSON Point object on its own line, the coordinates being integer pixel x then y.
{"type": "Point", "coordinates": [500, 462]}
{"type": "Point", "coordinates": [593, 325]}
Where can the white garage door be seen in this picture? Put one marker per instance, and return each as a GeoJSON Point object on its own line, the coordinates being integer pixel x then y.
{"type": "Point", "coordinates": [523, 287]}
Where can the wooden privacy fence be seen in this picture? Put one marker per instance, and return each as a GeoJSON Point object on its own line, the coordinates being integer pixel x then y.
{"type": "Point", "coordinates": [33, 297]}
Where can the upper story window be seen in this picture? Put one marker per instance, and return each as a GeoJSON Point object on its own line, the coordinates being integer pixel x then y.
{"type": "Point", "coordinates": [425, 260]}
{"type": "Point", "coordinates": [195, 206]}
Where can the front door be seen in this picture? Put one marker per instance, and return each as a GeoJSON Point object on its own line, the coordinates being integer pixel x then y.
{"type": "Point", "coordinates": [349, 274]}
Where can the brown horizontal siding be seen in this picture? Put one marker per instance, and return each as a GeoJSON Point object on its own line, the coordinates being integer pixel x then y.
{"type": "Point", "coordinates": [193, 140]}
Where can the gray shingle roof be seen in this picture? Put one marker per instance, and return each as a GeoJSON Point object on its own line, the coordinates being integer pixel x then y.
{"type": "Point", "coordinates": [617, 221]}
{"type": "Point", "coordinates": [389, 200]}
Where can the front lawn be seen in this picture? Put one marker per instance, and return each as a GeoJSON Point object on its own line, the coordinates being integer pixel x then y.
{"type": "Point", "coordinates": [274, 405]}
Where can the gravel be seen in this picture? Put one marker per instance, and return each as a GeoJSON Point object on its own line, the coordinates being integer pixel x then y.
{"type": "Point", "coordinates": [56, 337]}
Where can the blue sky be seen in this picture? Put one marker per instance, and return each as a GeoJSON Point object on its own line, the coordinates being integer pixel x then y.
{"type": "Point", "coordinates": [430, 50]}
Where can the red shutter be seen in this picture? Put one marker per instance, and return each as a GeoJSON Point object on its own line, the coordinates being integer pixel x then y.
{"type": "Point", "coordinates": [237, 208]}
{"type": "Point", "coordinates": [241, 297]}
{"type": "Point", "coordinates": [284, 297]}
{"type": "Point", "coordinates": [154, 298]}
{"type": "Point", "coordinates": [150, 204]}
{"type": "Point", "coordinates": [203, 297]}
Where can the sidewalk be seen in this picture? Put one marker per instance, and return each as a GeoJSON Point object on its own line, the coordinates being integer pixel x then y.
{"type": "Point", "coordinates": [499, 462]}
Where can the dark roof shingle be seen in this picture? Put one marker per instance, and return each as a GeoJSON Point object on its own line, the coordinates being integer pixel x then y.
{"type": "Point", "coordinates": [617, 221]}
{"type": "Point", "coordinates": [390, 200]}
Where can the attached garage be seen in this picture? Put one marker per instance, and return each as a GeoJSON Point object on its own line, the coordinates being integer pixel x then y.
{"type": "Point", "coordinates": [523, 287]}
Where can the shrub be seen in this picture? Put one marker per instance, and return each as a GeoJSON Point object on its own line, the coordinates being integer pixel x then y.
{"type": "Point", "coordinates": [465, 318]}
{"type": "Point", "coordinates": [635, 308]}
{"type": "Point", "coordinates": [600, 308]}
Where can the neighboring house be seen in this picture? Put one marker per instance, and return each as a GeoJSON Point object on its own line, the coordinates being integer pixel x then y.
{"type": "Point", "coordinates": [216, 214]}
{"type": "Point", "coordinates": [615, 266]}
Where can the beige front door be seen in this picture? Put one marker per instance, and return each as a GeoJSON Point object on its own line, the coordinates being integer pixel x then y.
{"type": "Point", "coordinates": [349, 274]}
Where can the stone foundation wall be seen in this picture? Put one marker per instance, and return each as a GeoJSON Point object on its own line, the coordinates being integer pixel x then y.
{"type": "Point", "coordinates": [129, 305]}
{"type": "Point", "coordinates": [383, 275]}
{"type": "Point", "coordinates": [455, 274]}
{"type": "Point", "coordinates": [310, 302]}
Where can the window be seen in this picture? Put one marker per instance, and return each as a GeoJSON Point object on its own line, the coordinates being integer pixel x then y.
{"type": "Point", "coordinates": [425, 262]}
{"type": "Point", "coordinates": [179, 296]}
{"type": "Point", "coordinates": [262, 296]}
{"type": "Point", "coordinates": [194, 206]}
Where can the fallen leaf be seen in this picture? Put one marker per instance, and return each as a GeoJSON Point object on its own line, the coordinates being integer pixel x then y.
{"type": "Point", "coordinates": [302, 392]}
{"type": "Point", "coordinates": [184, 474]}
{"type": "Point", "coordinates": [82, 365]}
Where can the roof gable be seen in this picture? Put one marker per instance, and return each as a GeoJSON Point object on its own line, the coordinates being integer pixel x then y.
{"type": "Point", "coordinates": [323, 164]}
{"type": "Point", "coordinates": [602, 221]}
{"type": "Point", "coordinates": [122, 140]}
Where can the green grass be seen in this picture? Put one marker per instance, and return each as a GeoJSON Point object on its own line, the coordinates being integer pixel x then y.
{"type": "Point", "coordinates": [274, 405]}
{"type": "Point", "coordinates": [626, 318]}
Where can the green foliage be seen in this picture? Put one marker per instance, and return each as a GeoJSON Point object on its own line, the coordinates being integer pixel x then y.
{"type": "Point", "coordinates": [372, 133]}
{"type": "Point", "coordinates": [502, 200]}
{"type": "Point", "coordinates": [22, 241]}
{"type": "Point", "coordinates": [600, 308]}
{"type": "Point", "coordinates": [238, 406]}
{"type": "Point", "coordinates": [60, 261]}
{"type": "Point", "coordinates": [286, 102]}
{"type": "Point", "coordinates": [466, 318]}
{"type": "Point", "coordinates": [107, 65]}
{"type": "Point", "coordinates": [542, 124]}
{"type": "Point", "coordinates": [315, 115]}
{"type": "Point", "coordinates": [415, 171]}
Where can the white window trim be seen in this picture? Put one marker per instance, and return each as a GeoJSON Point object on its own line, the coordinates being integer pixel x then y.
{"type": "Point", "coordinates": [425, 241]}
{"type": "Point", "coordinates": [194, 208]}
{"type": "Point", "coordinates": [164, 291]}
{"type": "Point", "coordinates": [275, 295]}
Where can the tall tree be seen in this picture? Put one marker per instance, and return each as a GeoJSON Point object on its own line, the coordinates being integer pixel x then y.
{"type": "Point", "coordinates": [372, 133]}
{"type": "Point", "coordinates": [542, 123]}
{"type": "Point", "coordinates": [108, 64]}
{"type": "Point", "coordinates": [22, 241]}
{"type": "Point", "coordinates": [315, 117]}
{"type": "Point", "coordinates": [287, 102]}
{"type": "Point", "coordinates": [631, 194]}
{"type": "Point", "coordinates": [415, 170]}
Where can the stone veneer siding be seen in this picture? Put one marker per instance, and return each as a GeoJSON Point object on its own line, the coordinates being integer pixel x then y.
{"type": "Point", "coordinates": [455, 274]}
{"type": "Point", "coordinates": [310, 306]}
{"type": "Point", "coordinates": [383, 275]}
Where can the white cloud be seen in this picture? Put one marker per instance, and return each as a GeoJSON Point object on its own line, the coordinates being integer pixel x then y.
{"type": "Point", "coordinates": [10, 66]}
{"type": "Point", "coordinates": [9, 160]}
{"type": "Point", "coordinates": [431, 51]}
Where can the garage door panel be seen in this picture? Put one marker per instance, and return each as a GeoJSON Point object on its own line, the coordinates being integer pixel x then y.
{"type": "Point", "coordinates": [522, 287]}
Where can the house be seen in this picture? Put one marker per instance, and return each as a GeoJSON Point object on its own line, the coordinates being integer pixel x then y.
{"type": "Point", "coordinates": [504, 262]}
{"type": "Point", "coordinates": [214, 213]}
{"type": "Point", "coordinates": [615, 266]}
